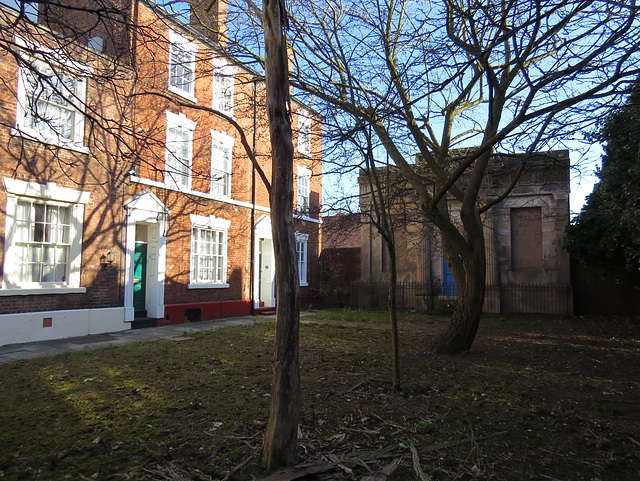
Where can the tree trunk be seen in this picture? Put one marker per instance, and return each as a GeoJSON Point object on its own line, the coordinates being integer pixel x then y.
{"type": "Point", "coordinates": [393, 314]}
{"type": "Point", "coordinates": [281, 438]}
{"type": "Point", "coordinates": [470, 282]}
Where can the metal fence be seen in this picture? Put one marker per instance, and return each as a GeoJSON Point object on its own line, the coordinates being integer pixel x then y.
{"type": "Point", "coordinates": [430, 297]}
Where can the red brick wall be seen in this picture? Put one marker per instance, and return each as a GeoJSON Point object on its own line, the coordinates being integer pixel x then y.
{"type": "Point", "coordinates": [131, 132]}
{"type": "Point", "coordinates": [153, 77]}
{"type": "Point", "coordinates": [101, 172]}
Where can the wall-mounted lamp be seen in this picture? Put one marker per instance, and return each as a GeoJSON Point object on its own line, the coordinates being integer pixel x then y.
{"type": "Point", "coordinates": [107, 260]}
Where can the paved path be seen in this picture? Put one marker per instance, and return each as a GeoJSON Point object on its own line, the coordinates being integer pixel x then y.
{"type": "Point", "coordinates": [29, 350]}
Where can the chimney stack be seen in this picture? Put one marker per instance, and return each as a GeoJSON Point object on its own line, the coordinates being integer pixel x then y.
{"type": "Point", "coordinates": [210, 18]}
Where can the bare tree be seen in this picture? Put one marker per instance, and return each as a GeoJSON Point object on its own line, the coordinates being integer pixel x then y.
{"type": "Point", "coordinates": [123, 48]}
{"type": "Point", "coordinates": [281, 439]}
{"type": "Point", "coordinates": [380, 204]}
{"type": "Point", "coordinates": [431, 78]}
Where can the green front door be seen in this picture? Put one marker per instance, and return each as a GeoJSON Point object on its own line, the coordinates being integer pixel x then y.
{"type": "Point", "coordinates": [139, 276]}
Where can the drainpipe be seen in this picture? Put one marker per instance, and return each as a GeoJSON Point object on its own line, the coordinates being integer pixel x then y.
{"type": "Point", "coordinates": [252, 241]}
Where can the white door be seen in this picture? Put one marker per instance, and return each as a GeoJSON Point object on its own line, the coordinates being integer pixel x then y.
{"type": "Point", "coordinates": [266, 273]}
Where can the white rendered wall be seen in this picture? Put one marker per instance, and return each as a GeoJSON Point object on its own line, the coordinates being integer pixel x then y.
{"type": "Point", "coordinates": [47, 325]}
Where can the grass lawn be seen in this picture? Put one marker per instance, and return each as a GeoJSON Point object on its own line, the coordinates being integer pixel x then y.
{"type": "Point", "coordinates": [536, 398]}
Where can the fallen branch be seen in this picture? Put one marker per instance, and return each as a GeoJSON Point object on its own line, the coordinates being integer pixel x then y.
{"type": "Point", "coordinates": [339, 463]}
{"type": "Point", "coordinates": [353, 388]}
{"type": "Point", "coordinates": [416, 463]}
{"type": "Point", "coordinates": [394, 425]}
{"type": "Point", "coordinates": [450, 444]}
{"type": "Point", "coordinates": [377, 454]}
{"type": "Point", "coordinates": [363, 431]}
{"type": "Point", "coordinates": [384, 473]}
{"type": "Point", "coordinates": [238, 467]}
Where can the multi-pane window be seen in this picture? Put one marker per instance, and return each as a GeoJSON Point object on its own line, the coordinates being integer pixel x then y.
{"type": "Point", "coordinates": [208, 256]}
{"type": "Point", "coordinates": [43, 237]}
{"type": "Point", "coordinates": [182, 61]}
{"type": "Point", "coordinates": [43, 241]}
{"type": "Point", "coordinates": [50, 103]}
{"type": "Point", "coordinates": [223, 80]}
{"type": "Point", "coordinates": [304, 183]}
{"type": "Point", "coordinates": [301, 254]}
{"type": "Point", "coordinates": [221, 161]}
{"type": "Point", "coordinates": [209, 237]}
{"type": "Point", "coordinates": [304, 134]}
{"type": "Point", "coordinates": [179, 151]}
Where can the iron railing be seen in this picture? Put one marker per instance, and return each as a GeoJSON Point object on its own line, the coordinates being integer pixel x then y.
{"type": "Point", "coordinates": [433, 297]}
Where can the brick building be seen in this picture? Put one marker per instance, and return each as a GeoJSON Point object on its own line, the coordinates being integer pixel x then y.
{"type": "Point", "coordinates": [129, 196]}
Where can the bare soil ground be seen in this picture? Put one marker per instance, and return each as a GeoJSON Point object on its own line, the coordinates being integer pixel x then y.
{"type": "Point", "coordinates": [536, 398]}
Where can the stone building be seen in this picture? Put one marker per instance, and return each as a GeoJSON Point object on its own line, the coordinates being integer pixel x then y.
{"type": "Point", "coordinates": [527, 269]}
{"type": "Point", "coordinates": [125, 203]}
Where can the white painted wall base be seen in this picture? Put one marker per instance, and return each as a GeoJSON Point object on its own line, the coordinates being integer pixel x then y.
{"type": "Point", "coordinates": [47, 325]}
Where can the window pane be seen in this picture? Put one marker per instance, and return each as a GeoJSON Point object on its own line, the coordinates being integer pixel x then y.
{"type": "Point", "coordinates": [39, 227]}
{"type": "Point", "coordinates": [47, 264]}
{"type": "Point", "coordinates": [301, 251]}
{"type": "Point", "coordinates": [49, 105]}
{"type": "Point", "coordinates": [23, 221]}
{"type": "Point", "coordinates": [303, 191]}
{"type": "Point", "coordinates": [179, 155]}
{"type": "Point", "coordinates": [43, 238]}
{"type": "Point", "coordinates": [223, 92]}
{"type": "Point", "coordinates": [220, 168]}
{"type": "Point", "coordinates": [208, 263]}
{"type": "Point", "coordinates": [304, 135]}
{"type": "Point", "coordinates": [181, 69]}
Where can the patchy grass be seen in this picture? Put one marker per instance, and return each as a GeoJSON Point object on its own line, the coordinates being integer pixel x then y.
{"type": "Point", "coordinates": [536, 398]}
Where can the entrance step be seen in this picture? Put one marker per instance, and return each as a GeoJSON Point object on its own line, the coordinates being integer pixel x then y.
{"type": "Point", "coordinates": [265, 311]}
{"type": "Point", "coordinates": [142, 322]}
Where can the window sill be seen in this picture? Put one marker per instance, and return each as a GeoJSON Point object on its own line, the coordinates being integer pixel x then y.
{"type": "Point", "coordinates": [227, 113]}
{"type": "Point", "coordinates": [304, 284]}
{"type": "Point", "coordinates": [185, 189]}
{"type": "Point", "coordinates": [37, 137]}
{"type": "Point", "coordinates": [207, 286]}
{"type": "Point", "coordinates": [305, 217]}
{"type": "Point", "coordinates": [183, 94]}
{"type": "Point", "coordinates": [34, 291]}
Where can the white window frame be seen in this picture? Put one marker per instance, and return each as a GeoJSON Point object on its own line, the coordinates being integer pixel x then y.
{"type": "Point", "coordinates": [221, 174]}
{"type": "Point", "coordinates": [186, 126]}
{"type": "Point", "coordinates": [181, 44]}
{"type": "Point", "coordinates": [304, 134]}
{"type": "Point", "coordinates": [303, 198]}
{"type": "Point", "coordinates": [223, 94]}
{"type": "Point", "coordinates": [48, 194]}
{"type": "Point", "coordinates": [76, 101]}
{"type": "Point", "coordinates": [302, 241]}
{"type": "Point", "coordinates": [213, 224]}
